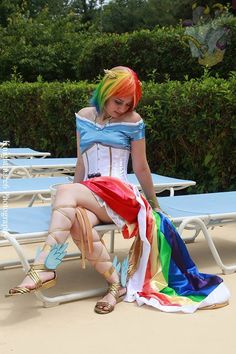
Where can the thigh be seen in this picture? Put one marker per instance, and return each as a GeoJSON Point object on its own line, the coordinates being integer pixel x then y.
{"type": "Point", "coordinates": [80, 195]}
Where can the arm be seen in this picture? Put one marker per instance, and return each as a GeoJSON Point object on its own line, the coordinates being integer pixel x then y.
{"type": "Point", "coordinates": [79, 169]}
{"type": "Point", "coordinates": [142, 171]}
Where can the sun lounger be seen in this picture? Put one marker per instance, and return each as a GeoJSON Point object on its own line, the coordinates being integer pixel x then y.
{"type": "Point", "coordinates": [31, 223]}
{"type": "Point", "coordinates": [24, 186]}
{"type": "Point", "coordinates": [201, 211]}
{"type": "Point", "coordinates": [54, 166]}
{"type": "Point", "coordinates": [29, 186]}
{"type": "Point", "coordinates": [36, 167]}
{"type": "Point", "coordinates": [37, 186]}
{"type": "Point", "coordinates": [162, 183]}
{"type": "Point", "coordinates": [10, 153]}
{"type": "Point", "coordinates": [19, 187]}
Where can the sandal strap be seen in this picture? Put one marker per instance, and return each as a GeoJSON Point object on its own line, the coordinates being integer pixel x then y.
{"type": "Point", "coordinates": [62, 212]}
{"type": "Point", "coordinates": [33, 274]}
{"type": "Point", "coordinates": [104, 307]}
{"type": "Point", "coordinates": [35, 277]}
{"type": "Point", "coordinates": [114, 290]}
{"type": "Point", "coordinates": [53, 237]}
{"type": "Point", "coordinates": [109, 272]}
{"type": "Point", "coordinates": [39, 267]}
{"type": "Point", "coordinates": [86, 233]}
{"type": "Point", "coordinates": [64, 206]}
{"type": "Point", "coordinates": [18, 289]}
{"type": "Point", "coordinates": [88, 227]}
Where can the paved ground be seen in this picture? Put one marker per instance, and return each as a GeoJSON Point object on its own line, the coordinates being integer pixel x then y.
{"type": "Point", "coordinates": [27, 327]}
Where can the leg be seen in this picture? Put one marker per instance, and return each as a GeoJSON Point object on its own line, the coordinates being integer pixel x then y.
{"type": "Point", "coordinates": [100, 259]}
{"type": "Point", "coordinates": [68, 197]}
{"type": "Point", "coordinates": [63, 219]}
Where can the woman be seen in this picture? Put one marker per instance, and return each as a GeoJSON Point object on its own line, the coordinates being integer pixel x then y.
{"type": "Point", "coordinates": [160, 271]}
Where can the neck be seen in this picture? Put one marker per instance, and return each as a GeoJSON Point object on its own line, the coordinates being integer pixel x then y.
{"type": "Point", "coordinates": [105, 116]}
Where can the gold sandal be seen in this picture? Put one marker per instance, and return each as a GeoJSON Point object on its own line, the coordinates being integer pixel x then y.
{"type": "Point", "coordinates": [86, 236]}
{"type": "Point", "coordinates": [55, 254]}
{"type": "Point", "coordinates": [33, 274]}
{"type": "Point", "coordinates": [113, 289]}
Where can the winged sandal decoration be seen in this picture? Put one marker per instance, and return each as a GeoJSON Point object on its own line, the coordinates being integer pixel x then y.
{"type": "Point", "coordinates": [52, 261]}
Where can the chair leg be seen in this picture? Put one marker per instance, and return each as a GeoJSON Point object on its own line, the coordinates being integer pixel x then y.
{"type": "Point", "coordinates": [201, 226]}
{"type": "Point", "coordinates": [49, 301]}
{"type": "Point", "coordinates": [15, 244]}
{"type": "Point", "coordinates": [112, 241]}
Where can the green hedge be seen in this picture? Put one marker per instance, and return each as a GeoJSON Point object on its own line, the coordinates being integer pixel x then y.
{"type": "Point", "coordinates": [159, 55]}
{"type": "Point", "coordinates": [191, 126]}
{"type": "Point", "coordinates": [60, 55]}
{"type": "Point", "coordinates": [192, 131]}
{"type": "Point", "coordinates": [42, 115]}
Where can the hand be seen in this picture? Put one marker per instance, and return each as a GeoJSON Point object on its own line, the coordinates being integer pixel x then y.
{"type": "Point", "coordinates": [158, 210]}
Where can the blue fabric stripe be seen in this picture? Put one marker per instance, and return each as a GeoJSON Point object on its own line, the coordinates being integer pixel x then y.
{"type": "Point", "coordinates": [184, 276]}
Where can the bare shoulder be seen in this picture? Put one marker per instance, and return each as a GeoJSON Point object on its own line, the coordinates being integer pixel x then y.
{"type": "Point", "coordinates": [87, 112]}
{"type": "Point", "coordinates": [132, 117]}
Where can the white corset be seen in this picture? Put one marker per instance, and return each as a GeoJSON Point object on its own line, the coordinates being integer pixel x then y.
{"type": "Point", "coordinates": [108, 161]}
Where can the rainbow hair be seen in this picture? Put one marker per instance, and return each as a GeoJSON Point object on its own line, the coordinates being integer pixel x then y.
{"type": "Point", "coordinates": [120, 81]}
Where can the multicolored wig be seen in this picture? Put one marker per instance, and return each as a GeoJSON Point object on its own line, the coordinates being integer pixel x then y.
{"type": "Point", "coordinates": [120, 81]}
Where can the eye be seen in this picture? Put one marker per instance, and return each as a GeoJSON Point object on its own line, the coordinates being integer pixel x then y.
{"type": "Point", "coordinates": [118, 101]}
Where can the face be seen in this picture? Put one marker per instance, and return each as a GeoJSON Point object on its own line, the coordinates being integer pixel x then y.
{"type": "Point", "coordinates": [117, 106]}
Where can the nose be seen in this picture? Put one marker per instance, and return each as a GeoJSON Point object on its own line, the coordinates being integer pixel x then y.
{"type": "Point", "coordinates": [122, 109]}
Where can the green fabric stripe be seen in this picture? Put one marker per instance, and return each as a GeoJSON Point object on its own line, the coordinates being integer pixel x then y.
{"type": "Point", "coordinates": [171, 292]}
{"type": "Point", "coordinates": [164, 248]}
{"type": "Point", "coordinates": [165, 257]}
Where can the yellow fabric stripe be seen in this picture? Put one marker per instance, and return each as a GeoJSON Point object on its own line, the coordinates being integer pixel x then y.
{"type": "Point", "coordinates": [158, 281]}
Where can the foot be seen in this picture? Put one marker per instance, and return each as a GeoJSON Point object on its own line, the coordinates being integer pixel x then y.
{"type": "Point", "coordinates": [37, 277]}
{"type": "Point", "coordinates": [28, 283]}
{"type": "Point", "coordinates": [108, 302]}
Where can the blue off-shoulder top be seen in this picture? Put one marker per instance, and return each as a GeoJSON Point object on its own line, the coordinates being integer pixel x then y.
{"type": "Point", "coordinates": [117, 135]}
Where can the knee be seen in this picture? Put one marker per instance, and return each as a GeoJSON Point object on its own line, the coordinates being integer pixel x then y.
{"type": "Point", "coordinates": [64, 188]}
{"type": "Point", "coordinates": [64, 192]}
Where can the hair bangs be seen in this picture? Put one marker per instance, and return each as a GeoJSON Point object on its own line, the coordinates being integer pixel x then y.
{"type": "Point", "coordinates": [121, 82]}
